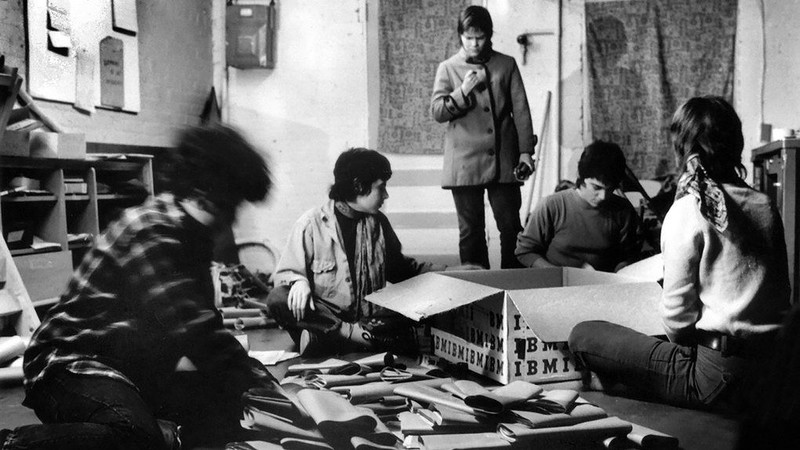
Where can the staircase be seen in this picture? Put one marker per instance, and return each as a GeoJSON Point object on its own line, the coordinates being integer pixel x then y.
{"type": "Point", "coordinates": [423, 215]}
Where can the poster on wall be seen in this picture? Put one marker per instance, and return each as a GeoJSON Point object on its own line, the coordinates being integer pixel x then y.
{"type": "Point", "coordinates": [59, 31]}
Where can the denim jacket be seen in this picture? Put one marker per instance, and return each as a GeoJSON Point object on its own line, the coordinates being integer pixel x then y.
{"type": "Point", "coordinates": [315, 252]}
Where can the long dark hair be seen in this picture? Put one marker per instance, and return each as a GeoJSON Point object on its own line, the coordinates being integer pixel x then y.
{"type": "Point", "coordinates": [709, 128]}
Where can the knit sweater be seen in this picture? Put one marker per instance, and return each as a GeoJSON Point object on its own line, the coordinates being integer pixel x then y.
{"type": "Point", "coordinates": [735, 282]}
{"type": "Point", "coordinates": [568, 232]}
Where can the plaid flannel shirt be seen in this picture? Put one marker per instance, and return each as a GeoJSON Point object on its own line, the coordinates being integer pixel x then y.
{"type": "Point", "coordinates": [141, 300]}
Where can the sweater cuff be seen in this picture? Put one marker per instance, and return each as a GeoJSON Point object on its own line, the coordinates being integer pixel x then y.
{"type": "Point", "coordinates": [457, 102]}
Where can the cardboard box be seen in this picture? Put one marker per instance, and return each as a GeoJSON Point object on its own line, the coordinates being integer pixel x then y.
{"type": "Point", "coordinates": [44, 144]}
{"type": "Point", "coordinates": [47, 144]}
{"type": "Point", "coordinates": [15, 143]}
{"type": "Point", "coordinates": [45, 275]}
{"type": "Point", "coordinates": [513, 324]}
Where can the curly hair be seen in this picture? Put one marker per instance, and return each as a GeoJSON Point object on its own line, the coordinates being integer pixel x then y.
{"type": "Point", "coordinates": [216, 159]}
{"type": "Point", "coordinates": [355, 171]}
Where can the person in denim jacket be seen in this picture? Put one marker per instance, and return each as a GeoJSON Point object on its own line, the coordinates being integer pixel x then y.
{"type": "Point", "coordinates": [337, 254]}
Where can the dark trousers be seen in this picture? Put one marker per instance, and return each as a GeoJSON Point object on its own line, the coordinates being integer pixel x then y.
{"type": "Point", "coordinates": [91, 412]}
{"type": "Point", "coordinates": [383, 323]}
{"type": "Point", "coordinates": [505, 200]}
{"type": "Point", "coordinates": [655, 369]}
{"type": "Point", "coordinates": [322, 319]}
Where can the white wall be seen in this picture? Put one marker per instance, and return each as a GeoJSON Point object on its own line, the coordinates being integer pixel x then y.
{"type": "Point", "coordinates": [781, 89]}
{"type": "Point", "coordinates": [315, 103]}
{"type": "Point", "coordinates": [305, 111]}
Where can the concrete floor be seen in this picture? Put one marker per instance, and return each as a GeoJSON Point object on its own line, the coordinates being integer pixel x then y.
{"type": "Point", "coordinates": [694, 429]}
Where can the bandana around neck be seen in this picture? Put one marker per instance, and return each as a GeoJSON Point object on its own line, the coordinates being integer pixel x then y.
{"type": "Point", "coordinates": [369, 262]}
{"type": "Point", "coordinates": [696, 182]}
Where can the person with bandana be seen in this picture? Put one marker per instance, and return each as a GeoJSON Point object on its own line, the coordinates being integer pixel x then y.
{"type": "Point", "coordinates": [478, 93]}
{"type": "Point", "coordinates": [726, 283]}
{"type": "Point", "coordinates": [335, 256]}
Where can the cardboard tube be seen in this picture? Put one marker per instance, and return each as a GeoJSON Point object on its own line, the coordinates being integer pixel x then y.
{"type": "Point", "coordinates": [240, 323]}
{"type": "Point", "coordinates": [9, 375]}
{"type": "Point", "coordinates": [232, 312]}
{"type": "Point", "coordinates": [11, 347]}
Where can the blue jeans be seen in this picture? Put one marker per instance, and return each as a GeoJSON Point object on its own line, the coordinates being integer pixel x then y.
{"type": "Point", "coordinates": [505, 200]}
{"type": "Point", "coordinates": [655, 369]}
{"type": "Point", "coordinates": [91, 412]}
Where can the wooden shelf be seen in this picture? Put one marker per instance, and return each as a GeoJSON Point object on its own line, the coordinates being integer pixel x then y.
{"type": "Point", "coordinates": [53, 217]}
{"type": "Point", "coordinates": [108, 197]}
{"type": "Point", "coordinates": [30, 199]}
{"type": "Point", "coordinates": [33, 251]}
{"type": "Point", "coordinates": [775, 172]}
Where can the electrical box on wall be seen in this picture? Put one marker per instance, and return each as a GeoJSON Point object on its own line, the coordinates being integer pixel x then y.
{"type": "Point", "coordinates": [250, 35]}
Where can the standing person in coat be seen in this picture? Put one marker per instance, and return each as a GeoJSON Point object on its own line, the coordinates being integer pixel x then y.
{"type": "Point", "coordinates": [478, 93]}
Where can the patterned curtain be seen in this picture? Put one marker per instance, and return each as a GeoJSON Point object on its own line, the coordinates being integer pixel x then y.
{"type": "Point", "coordinates": [415, 36]}
{"type": "Point", "coordinates": [645, 58]}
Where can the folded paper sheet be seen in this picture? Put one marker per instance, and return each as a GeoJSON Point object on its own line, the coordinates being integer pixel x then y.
{"type": "Point", "coordinates": [498, 400]}
{"type": "Point", "coordinates": [592, 431]}
{"type": "Point", "coordinates": [255, 419]}
{"type": "Point", "coordinates": [322, 380]}
{"type": "Point", "coordinates": [303, 444]}
{"type": "Point", "coordinates": [644, 438]}
{"type": "Point", "coordinates": [417, 423]}
{"type": "Point", "coordinates": [464, 441]}
{"type": "Point", "coordinates": [333, 413]}
{"type": "Point", "coordinates": [446, 416]}
{"type": "Point", "coordinates": [272, 357]}
{"type": "Point", "coordinates": [582, 412]}
{"type": "Point", "coordinates": [323, 367]}
{"type": "Point", "coordinates": [252, 445]}
{"type": "Point", "coordinates": [371, 392]}
{"type": "Point", "coordinates": [553, 401]}
{"type": "Point", "coordinates": [431, 395]}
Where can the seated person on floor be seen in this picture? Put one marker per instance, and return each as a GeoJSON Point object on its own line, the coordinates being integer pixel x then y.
{"type": "Point", "coordinates": [726, 283]}
{"type": "Point", "coordinates": [588, 226]}
{"type": "Point", "coordinates": [135, 347]}
{"type": "Point", "coordinates": [337, 254]}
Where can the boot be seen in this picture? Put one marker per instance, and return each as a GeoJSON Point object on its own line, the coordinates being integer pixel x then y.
{"type": "Point", "coordinates": [401, 340]}
{"type": "Point", "coordinates": [172, 434]}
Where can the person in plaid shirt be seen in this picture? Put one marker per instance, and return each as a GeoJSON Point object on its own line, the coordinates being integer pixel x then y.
{"type": "Point", "coordinates": [135, 348]}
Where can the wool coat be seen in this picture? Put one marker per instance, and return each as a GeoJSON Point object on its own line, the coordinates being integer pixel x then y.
{"type": "Point", "coordinates": [486, 129]}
